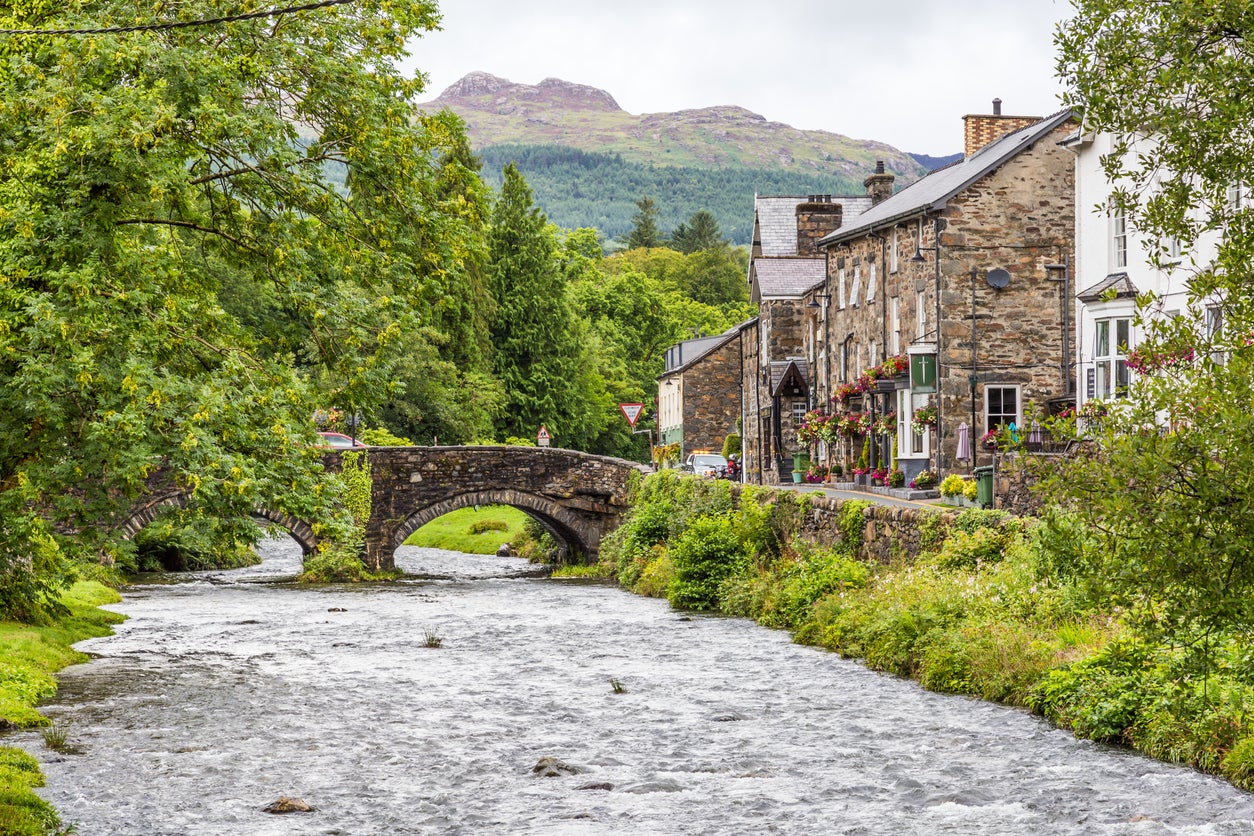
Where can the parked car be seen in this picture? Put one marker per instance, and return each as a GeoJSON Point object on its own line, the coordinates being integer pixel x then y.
{"type": "Point", "coordinates": [339, 441]}
{"type": "Point", "coordinates": [706, 464]}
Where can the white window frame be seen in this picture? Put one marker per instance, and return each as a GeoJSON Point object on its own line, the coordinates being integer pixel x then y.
{"type": "Point", "coordinates": [909, 444]}
{"type": "Point", "coordinates": [870, 283]}
{"type": "Point", "coordinates": [799, 410]}
{"type": "Point", "coordinates": [1017, 417]}
{"type": "Point", "coordinates": [1110, 357]}
{"type": "Point", "coordinates": [840, 285]}
{"type": "Point", "coordinates": [892, 253]}
{"type": "Point", "coordinates": [1118, 238]}
{"type": "Point", "coordinates": [896, 330]}
{"type": "Point", "coordinates": [857, 286]}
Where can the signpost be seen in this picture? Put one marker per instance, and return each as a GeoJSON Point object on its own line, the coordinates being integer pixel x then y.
{"type": "Point", "coordinates": [542, 437]}
{"type": "Point", "coordinates": [631, 411]}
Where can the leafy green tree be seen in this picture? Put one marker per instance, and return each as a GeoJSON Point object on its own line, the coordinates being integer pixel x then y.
{"type": "Point", "coordinates": [700, 232]}
{"type": "Point", "coordinates": [644, 231]}
{"type": "Point", "coordinates": [179, 273]}
{"type": "Point", "coordinates": [1166, 492]}
{"type": "Point", "coordinates": [541, 352]}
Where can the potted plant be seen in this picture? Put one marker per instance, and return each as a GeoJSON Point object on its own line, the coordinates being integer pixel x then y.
{"type": "Point", "coordinates": [896, 479]}
{"type": "Point", "coordinates": [951, 488]}
{"type": "Point", "coordinates": [971, 493]}
{"type": "Point", "coordinates": [879, 475]}
{"type": "Point", "coordinates": [923, 480]}
{"type": "Point", "coordinates": [860, 475]}
{"type": "Point", "coordinates": [924, 419]}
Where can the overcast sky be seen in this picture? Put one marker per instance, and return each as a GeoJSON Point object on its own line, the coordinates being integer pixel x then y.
{"type": "Point", "coordinates": [903, 72]}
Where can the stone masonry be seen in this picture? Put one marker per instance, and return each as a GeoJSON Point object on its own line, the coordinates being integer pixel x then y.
{"type": "Point", "coordinates": [711, 403]}
{"type": "Point", "coordinates": [576, 496]}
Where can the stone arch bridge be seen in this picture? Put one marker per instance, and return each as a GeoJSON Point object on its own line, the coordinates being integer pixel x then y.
{"type": "Point", "coordinates": [577, 497]}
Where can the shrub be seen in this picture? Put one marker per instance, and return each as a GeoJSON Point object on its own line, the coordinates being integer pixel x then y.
{"type": "Point", "coordinates": [1238, 766]}
{"type": "Point", "coordinates": [951, 485]}
{"type": "Point", "coordinates": [971, 490]}
{"type": "Point", "coordinates": [924, 480]}
{"type": "Point", "coordinates": [896, 478]}
{"type": "Point", "coordinates": [706, 554]}
{"type": "Point", "coordinates": [487, 525]}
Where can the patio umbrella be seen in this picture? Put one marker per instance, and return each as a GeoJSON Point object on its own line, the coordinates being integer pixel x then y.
{"type": "Point", "coordinates": [1034, 434]}
{"type": "Point", "coordinates": [964, 442]}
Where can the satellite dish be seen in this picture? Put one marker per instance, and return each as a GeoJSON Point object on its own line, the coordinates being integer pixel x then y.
{"type": "Point", "coordinates": [998, 279]}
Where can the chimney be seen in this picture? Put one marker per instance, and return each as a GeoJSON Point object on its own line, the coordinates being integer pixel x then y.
{"type": "Point", "coordinates": [816, 217]}
{"type": "Point", "coordinates": [879, 186]}
{"type": "Point", "coordinates": [979, 131]}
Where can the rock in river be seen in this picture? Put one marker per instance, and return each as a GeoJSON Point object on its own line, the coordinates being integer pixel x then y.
{"type": "Point", "coordinates": [552, 768]}
{"type": "Point", "coordinates": [287, 804]}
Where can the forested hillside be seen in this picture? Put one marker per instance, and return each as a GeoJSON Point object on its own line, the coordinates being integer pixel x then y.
{"type": "Point", "coordinates": [588, 189]}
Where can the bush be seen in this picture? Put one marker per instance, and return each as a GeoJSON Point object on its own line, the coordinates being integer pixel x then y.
{"type": "Point", "coordinates": [483, 526]}
{"type": "Point", "coordinates": [706, 555]}
{"type": "Point", "coordinates": [896, 479]}
{"type": "Point", "coordinates": [1238, 766]}
{"type": "Point", "coordinates": [952, 485]}
{"type": "Point", "coordinates": [971, 490]}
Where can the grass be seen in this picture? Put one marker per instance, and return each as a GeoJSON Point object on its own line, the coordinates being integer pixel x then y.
{"type": "Point", "coordinates": [471, 530]}
{"type": "Point", "coordinates": [57, 737]}
{"type": "Point", "coordinates": [617, 686]}
{"type": "Point", "coordinates": [432, 640]}
{"type": "Point", "coordinates": [30, 655]}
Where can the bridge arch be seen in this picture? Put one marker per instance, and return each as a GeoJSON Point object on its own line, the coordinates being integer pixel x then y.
{"type": "Point", "coordinates": [300, 530]}
{"type": "Point", "coordinates": [575, 538]}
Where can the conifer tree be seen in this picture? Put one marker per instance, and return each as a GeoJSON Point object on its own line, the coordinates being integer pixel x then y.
{"type": "Point", "coordinates": [538, 351]}
{"type": "Point", "coordinates": [644, 232]}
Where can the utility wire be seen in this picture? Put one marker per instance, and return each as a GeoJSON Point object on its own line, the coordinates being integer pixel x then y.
{"type": "Point", "coordinates": [182, 24]}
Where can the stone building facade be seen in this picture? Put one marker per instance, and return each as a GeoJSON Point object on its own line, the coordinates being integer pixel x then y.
{"type": "Point", "coordinates": [699, 400]}
{"type": "Point", "coordinates": [958, 270]}
{"type": "Point", "coordinates": [785, 265]}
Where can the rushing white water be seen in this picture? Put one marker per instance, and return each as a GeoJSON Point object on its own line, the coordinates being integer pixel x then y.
{"type": "Point", "coordinates": [219, 695]}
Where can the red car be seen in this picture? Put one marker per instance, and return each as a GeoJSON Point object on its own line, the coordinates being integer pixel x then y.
{"type": "Point", "coordinates": [339, 440]}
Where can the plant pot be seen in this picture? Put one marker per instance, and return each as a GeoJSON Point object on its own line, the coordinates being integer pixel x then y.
{"type": "Point", "coordinates": [860, 479]}
{"type": "Point", "coordinates": [797, 474]}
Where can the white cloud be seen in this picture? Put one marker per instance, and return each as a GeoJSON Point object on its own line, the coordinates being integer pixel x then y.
{"type": "Point", "coordinates": [902, 72]}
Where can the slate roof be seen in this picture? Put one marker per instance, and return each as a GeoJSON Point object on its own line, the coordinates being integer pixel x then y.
{"type": "Point", "coordinates": [934, 191]}
{"type": "Point", "coordinates": [711, 344]}
{"type": "Point", "coordinates": [780, 372]}
{"type": "Point", "coordinates": [775, 219]}
{"type": "Point", "coordinates": [1120, 282]}
{"type": "Point", "coordinates": [787, 278]}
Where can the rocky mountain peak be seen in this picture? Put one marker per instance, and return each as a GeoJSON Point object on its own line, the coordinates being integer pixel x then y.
{"type": "Point", "coordinates": [552, 92]}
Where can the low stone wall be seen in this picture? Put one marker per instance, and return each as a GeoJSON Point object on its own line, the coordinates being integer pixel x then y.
{"type": "Point", "coordinates": [889, 532]}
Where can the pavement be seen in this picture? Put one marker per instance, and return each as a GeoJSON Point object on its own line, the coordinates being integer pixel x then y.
{"type": "Point", "coordinates": [878, 498]}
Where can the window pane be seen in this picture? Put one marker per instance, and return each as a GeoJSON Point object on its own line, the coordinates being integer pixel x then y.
{"type": "Point", "coordinates": [1121, 336]}
{"type": "Point", "coordinates": [1101, 346]}
{"type": "Point", "coordinates": [1121, 378]}
{"type": "Point", "coordinates": [1102, 389]}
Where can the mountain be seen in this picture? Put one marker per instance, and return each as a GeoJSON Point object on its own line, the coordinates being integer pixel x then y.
{"type": "Point", "coordinates": [687, 160]}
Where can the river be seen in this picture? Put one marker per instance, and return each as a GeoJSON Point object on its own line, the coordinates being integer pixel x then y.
{"type": "Point", "coordinates": [226, 690]}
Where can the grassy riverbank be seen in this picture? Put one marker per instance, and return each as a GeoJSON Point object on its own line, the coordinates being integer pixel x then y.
{"type": "Point", "coordinates": [473, 530]}
{"type": "Point", "coordinates": [994, 607]}
{"type": "Point", "coordinates": [30, 656]}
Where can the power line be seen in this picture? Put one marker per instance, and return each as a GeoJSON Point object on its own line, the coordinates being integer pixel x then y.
{"type": "Point", "coordinates": [182, 24]}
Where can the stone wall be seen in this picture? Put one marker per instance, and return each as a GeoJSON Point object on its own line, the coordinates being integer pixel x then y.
{"type": "Point", "coordinates": [1018, 218]}
{"type": "Point", "coordinates": [712, 398]}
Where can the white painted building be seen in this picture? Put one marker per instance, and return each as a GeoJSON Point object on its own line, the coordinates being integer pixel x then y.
{"type": "Point", "coordinates": [1114, 264]}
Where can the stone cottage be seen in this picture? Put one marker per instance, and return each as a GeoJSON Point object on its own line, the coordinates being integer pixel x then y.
{"type": "Point", "coordinates": [785, 265]}
{"type": "Point", "coordinates": [960, 272]}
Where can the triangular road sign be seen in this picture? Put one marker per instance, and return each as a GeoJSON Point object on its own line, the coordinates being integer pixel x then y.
{"type": "Point", "coordinates": [631, 411]}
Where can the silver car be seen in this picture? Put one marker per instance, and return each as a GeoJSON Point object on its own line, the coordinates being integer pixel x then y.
{"type": "Point", "coordinates": [706, 464]}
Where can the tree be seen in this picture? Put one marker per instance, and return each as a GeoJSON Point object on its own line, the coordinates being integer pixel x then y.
{"type": "Point", "coordinates": [1166, 492]}
{"type": "Point", "coordinates": [180, 274]}
{"type": "Point", "coordinates": [541, 354]}
{"type": "Point", "coordinates": [644, 232]}
{"type": "Point", "coordinates": [700, 232]}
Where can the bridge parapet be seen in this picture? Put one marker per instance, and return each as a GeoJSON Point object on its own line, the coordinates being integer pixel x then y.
{"type": "Point", "coordinates": [577, 497]}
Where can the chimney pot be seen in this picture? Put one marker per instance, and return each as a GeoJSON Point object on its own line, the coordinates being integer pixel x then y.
{"type": "Point", "coordinates": [879, 166]}
{"type": "Point", "coordinates": [997, 107]}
